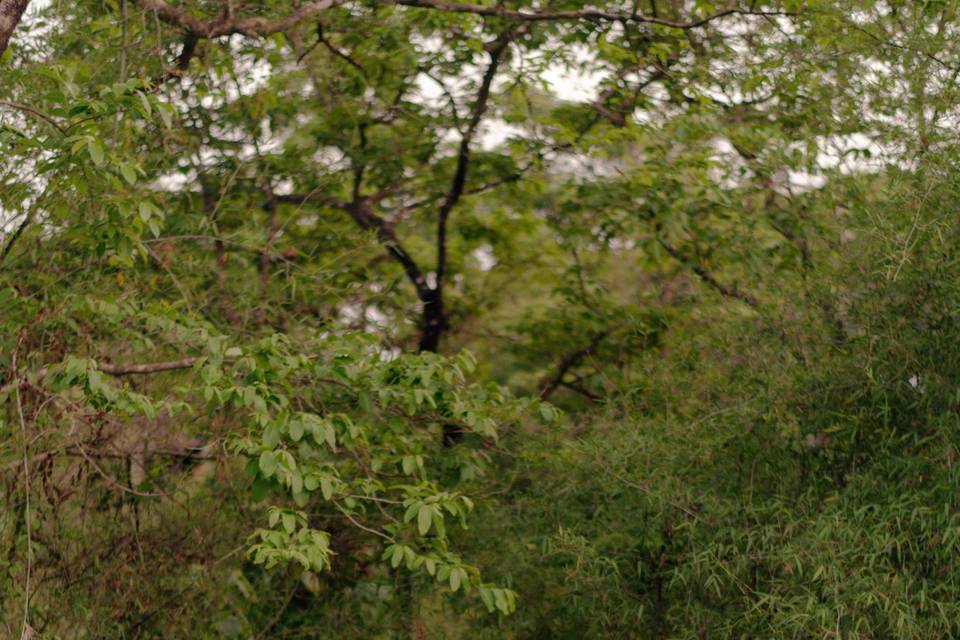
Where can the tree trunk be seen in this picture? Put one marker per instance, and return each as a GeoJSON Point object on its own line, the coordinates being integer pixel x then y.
{"type": "Point", "coordinates": [10, 13]}
{"type": "Point", "coordinates": [434, 325]}
{"type": "Point", "coordinates": [434, 321]}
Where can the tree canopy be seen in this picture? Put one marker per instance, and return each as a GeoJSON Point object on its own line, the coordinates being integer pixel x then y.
{"type": "Point", "coordinates": [426, 319]}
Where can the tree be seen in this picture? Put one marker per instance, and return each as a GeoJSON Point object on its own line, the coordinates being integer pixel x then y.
{"type": "Point", "coordinates": [10, 13]}
{"type": "Point", "coordinates": [248, 249]}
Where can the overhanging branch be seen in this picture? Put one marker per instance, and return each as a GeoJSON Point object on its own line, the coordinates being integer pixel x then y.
{"type": "Point", "coordinates": [552, 383]}
{"type": "Point", "coordinates": [728, 290]}
{"type": "Point", "coordinates": [225, 25]}
{"type": "Point", "coordinates": [258, 26]}
{"type": "Point", "coordinates": [362, 213]}
{"type": "Point", "coordinates": [543, 15]}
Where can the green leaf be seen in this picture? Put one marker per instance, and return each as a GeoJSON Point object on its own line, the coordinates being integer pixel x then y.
{"type": "Point", "coordinates": [330, 435]}
{"type": "Point", "coordinates": [271, 436]}
{"type": "Point", "coordinates": [300, 498]}
{"type": "Point", "coordinates": [95, 150]}
{"type": "Point", "coordinates": [424, 519]}
{"type": "Point", "coordinates": [129, 173]}
{"type": "Point", "coordinates": [296, 482]}
{"type": "Point", "coordinates": [260, 488]}
{"type": "Point", "coordinates": [268, 463]}
{"type": "Point", "coordinates": [364, 402]}
{"type": "Point", "coordinates": [488, 598]}
{"type": "Point", "coordinates": [166, 114]}
{"type": "Point", "coordinates": [296, 429]}
{"type": "Point", "coordinates": [411, 511]}
{"type": "Point", "coordinates": [145, 103]}
{"type": "Point", "coordinates": [326, 488]}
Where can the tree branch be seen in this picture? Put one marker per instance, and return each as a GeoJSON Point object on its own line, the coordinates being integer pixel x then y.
{"type": "Point", "coordinates": [14, 237]}
{"type": "Point", "coordinates": [727, 290]}
{"type": "Point", "coordinates": [578, 388]}
{"type": "Point", "coordinates": [541, 15]}
{"type": "Point", "coordinates": [149, 367]}
{"type": "Point", "coordinates": [569, 361]}
{"type": "Point", "coordinates": [322, 39]}
{"type": "Point", "coordinates": [364, 216]}
{"type": "Point", "coordinates": [119, 370]}
{"type": "Point", "coordinates": [362, 213]}
{"type": "Point", "coordinates": [434, 309]}
{"type": "Point", "coordinates": [496, 51]}
{"type": "Point", "coordinates": [226, 24]}
{"type": "Point", "coordinates": [304, 198]}
{"type": "Point", "coordinates": [73, 451]}
{"type": "Point", "coordinates": [34, 112]}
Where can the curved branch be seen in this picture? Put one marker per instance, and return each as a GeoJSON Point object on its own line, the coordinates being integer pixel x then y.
{"type": "Point", "coordinates": [226, 25]}
{"type": "Point", "coordinates": [34, 112]}
{"type": "Point", "coordinates": [367, 219]}
{"type": "Point", "coordinates": [149, 367]}
{"type": "Point", "coordinates": [14, 237]}
{"type": "Point", "coordinates": [258, 26]}
{"type": "Point", "coordinates": [569, 361]}
{"type": "Point", "coordinates": [361, 211]}
{"type": "Point", "coordinates": [542, 15]}
{"type": "Point", "coordinates": [728, 290]}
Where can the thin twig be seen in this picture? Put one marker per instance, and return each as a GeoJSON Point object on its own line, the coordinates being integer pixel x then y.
{"type": "Point", "coordinates": [35, 113]}
{"type": "Point", "coordinates": [15, 236]}
{"type": "Point", "coordinates": [278, 614]}
{"type": "Point", "coordinates": [112, 481]}
{"type": "Point", "coordinates": [26, 482]}
{"type": "Point", "coordinates": [360, 526]}
{"type": "Point", "coordinates": [729, 290]}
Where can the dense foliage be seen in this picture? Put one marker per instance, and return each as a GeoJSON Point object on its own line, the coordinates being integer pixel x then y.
{"type": "Point", "coordinates": [417, 319]}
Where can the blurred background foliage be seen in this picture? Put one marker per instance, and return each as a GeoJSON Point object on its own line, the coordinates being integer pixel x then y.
{"type": "Point", "coordinates": [414, 319]}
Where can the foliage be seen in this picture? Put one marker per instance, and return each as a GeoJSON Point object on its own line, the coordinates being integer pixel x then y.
{"type": "Point", "coordinates": [346, 318]}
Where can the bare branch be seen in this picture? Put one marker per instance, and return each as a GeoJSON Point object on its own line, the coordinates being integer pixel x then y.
{"type": "Point", "coordinates": [226, 24]}
{"type": "Point", "coordinates": [727, 290]}
{"type": "Point", "coordinates": [150, 367]}
{"type": "Point", "coordinates": [257, 26]}
{"type": "Point", "coordinates": [577, 387]}
{"type": "Point", "coordinates": [304, 198]}
{"type": "Point", "coordinates": [362, 213]}
{"type": "Point", "coordinates": [34, 112]}
{"type": "Point", "coordinates": [569, 361]}
{"type": "Point", "coordinates": [364, 216]}
{"type": "Point", "coordinates": [542, 15]}
{"type": "Point", "coordinates": [434, 310]}
{"type": "Point", "coordinates": [119, 370]}
{"type": "Point", "coordinates": [15, 236]}
{"type": "Point", "coordinates": [73, 452]}
{"type": "Point", "coordinates": [322, 39]}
